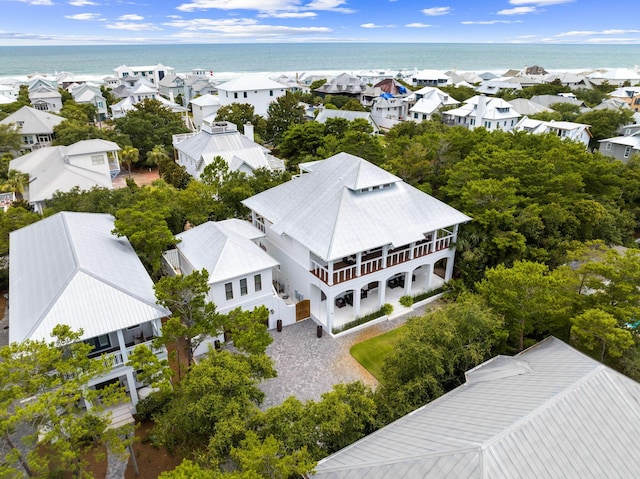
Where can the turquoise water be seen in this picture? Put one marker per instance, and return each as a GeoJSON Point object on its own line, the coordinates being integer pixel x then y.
{"type": "Point", "coordinates": [300, 57]}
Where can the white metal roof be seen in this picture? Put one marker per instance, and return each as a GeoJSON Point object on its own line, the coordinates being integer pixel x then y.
{"type": "Point", "coordinates": [33, 121]}
{"type": "Point", "coordinates": [70, 269]}
{"type": "Point", "coordinates": [548, 412]}
{"type": "Point", "coordinates": [248, 83]}
{"type": "Point", "coordinates": [223, 252]}
{"type": "Point", "coordinates": [326, 211]}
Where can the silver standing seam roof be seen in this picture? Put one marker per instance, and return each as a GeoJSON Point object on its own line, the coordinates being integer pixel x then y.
{"type": "Point", "coordinates": [345, 204]}
{"type": "Point", "coordinates": [70, 269]}
{"type": "Point", "coordinates": [548, 412]}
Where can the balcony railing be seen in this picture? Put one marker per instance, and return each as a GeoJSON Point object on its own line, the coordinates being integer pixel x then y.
{"type": "Point", "coordinates": [346, 270]}
{"type": "Point", "coordinates": [116, 359]}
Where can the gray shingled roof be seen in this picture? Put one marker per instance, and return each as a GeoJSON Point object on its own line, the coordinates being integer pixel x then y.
{"type": "Point", "coordinates": [70, 269]}
{"type": "Point", "coordinates": [548, 412]}
{"type": "Point", "coordinates": [326, 211]}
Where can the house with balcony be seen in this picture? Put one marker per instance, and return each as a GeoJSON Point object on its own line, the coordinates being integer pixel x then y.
{"type": "Point", "coordinates": [350, 237]}
{"type": "Point", "coordinates": [84, 164]}
{"type": "Point", "coordinates": [567, 130]}
{"type": "Point", "coordinates": [44, 95]}
{"type": "Point", "coordinates": [71, 269]}
{"type": "Point", "coordinates": [241, 273]}
{"type": "Point", "coordinates": [423, 103]}
{"type": "Point", "coordinates": [221, 138]}
{"type": "Point", "coordinates": [90, 93]}
{"type": "Point", "coordinates": [35, 127]}
{"type": "Point", "coordinates": [434, 78]}
{"type": "Point", "coordinates": [256, 91]}
{"type": "Point", "coordinates": [491, 113]}
{"type": "Point", "coordinates": [154, 73]}
{"type": "Point", "coordinates": [343, 85]}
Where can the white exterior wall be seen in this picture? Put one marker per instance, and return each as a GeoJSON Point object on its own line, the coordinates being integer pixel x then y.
{"type": "Point", "coordinates": [87, 163]}
{"type": "Point", "coordinates": [260, 99]}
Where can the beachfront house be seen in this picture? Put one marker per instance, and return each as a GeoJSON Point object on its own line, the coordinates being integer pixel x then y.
{"type": "Point", "coordinates": [142, 90]}
{"type": "Point", "coordinates": [343, 85]}
{"type": "Point", "coordinates": [35, 127]}
{"type": "Point", "coordinates": [549, 411]}
{"type": "Point", "coordinates": [567, 130]}
{"type": "Point", "coordinates": [85, 164]}
{"type": "Point", "coordinates": [433, 78]}
{"type": "Point", "coordinates": [44, 95]}
{"type": "Point", "coordinates": [241, 273]}
{"type": "Point", "coordinates": [154, 73]}
{"type": "Point", "coordinates": [71, 269]}
{"type": "Point", "coordinates": [350, 237]}
{"type": "Point", "coordinates": [222, 139]}
{"type": "Point", "coordinates": [480, 111]}
{"type": "Point", "coordinates": [256, 91]}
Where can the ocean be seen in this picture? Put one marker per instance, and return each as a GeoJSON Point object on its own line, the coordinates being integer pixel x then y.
{"type": "Point", "coordinates": [229, 60]}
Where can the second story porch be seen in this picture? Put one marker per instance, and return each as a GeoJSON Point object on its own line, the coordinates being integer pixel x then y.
{"type": "Point", "coordinates": [371, 261]}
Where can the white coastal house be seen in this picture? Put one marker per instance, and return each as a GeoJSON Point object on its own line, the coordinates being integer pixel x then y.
{"type": "Point", "coordinates": [142, 90]}
{"type": "Point", "coordinates": [481, 111]}
{"type": "Point", "coordinates": [154, 73]}
{"type": "Point", "coordinates": [197, 150]}
{"type": "Point", "coordinates": [85, 164]}
{"type": "Point", "coordinates": [90, 93]}
{"type": "Point", "coordinates": [44, 95]}
{"type": "Point", "coordinates": [423, 103]}
{"type": "Point", "coordinates": [549, 411]}
{"type": "Point", "coordinates": [241, 273]}
{"type": "Point", "coordinates": [35, 127]}
{"type": "Point", "coordinates": [564, 129]}
{"type": "Point", "coordinates": [256, 91]}
{"type": "Point", "coordinates": [70, 269]}
{"type": "Point", "coordinates": [205, 106]}
{"type": "Point", "coordinates": [621, 147]}
{"type": "Point", "coordinates": [350, 237]}
{"type": "Point", "coordinates": [433, 78]}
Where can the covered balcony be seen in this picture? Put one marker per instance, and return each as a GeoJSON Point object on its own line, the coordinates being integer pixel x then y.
{"type": "Point", "coordinates": [371, 261]}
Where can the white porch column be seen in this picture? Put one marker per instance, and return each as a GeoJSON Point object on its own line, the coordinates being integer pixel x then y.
{"type": "Point", "coordinates": [449, 269]}
{"type": "Point", "coordinates": [382, 289]}
{"type": "Point", "coordinates": [132, 386]}
{"type": "Point", "coordinates": [331, 305]}
{"type": "Point", "coordinates": [429, 276]}
{"type": "Point", "coordinates": [358, 262]}
{"type": "Point", "coordinates": [407, 283]}
{"type": "Point", "coordinates": [455, 233]}
{"type": "Point", "coordinates": [122, 346]}
{"type": "Point", "coordinates": [433, 241]}
{"type": "Point", "coordinates": [330, 269]}
{"type": "Point", "coordinates": [411, 248]}
{"type": "Point", "coordinates": [356, 302]}
{"type": "Point", "coordinates": [385, 252]}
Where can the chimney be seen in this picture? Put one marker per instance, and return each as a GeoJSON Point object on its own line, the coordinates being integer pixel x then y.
{"type": "Point", "coordinates": [480, 111]}
{"type": "Point", "coordinates": [248, 131]}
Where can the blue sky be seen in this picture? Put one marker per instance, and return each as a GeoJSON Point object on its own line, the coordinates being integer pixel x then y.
{"type": "Point", "coordinates": [40, 22]}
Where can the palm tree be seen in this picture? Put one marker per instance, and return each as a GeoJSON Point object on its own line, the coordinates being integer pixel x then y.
{"type": "Point", "coordinates": [130, 155]}
{"type": "Point", "coordinates": [16, 182]}
{"type": "Point", "coordinates": [156, 156]}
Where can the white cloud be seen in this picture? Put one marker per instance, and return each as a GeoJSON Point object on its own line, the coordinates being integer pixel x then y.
{"type": "Point", "coordinates": [130, 18]}
{"type": "Point", "coordinates": [134, 27]}
{"type": "Point", "coordinates": [82, 3]}
{"type": "Point", "coordinates": [37, 2]}
{"type": "Point", "coordinates": [417, 25]}
{"type": "Point", "coordinates": [177, 17]}
{"type": "Point", "coordinates": [248, 31]}
{"type": "Point", "coordinates": [489, 22]}
{"type": "Point", "coordinates": [435, 11]}
{"type": "Point", "coordinates": [328, 5]}
{"type": "Point", "coordinates": [588, 33]}
{"type": "Point", "coordinates": [614, 40]}
{"type": "Point", "coordinates": [288, 15]}
{"type": "Point", "coordinates": [539, 3]}
{"type": "Point", "coordinates": [373, 25]}
{"type": "Point", "coordinates": [266, 6]}
{"type": "Point", "coordinates": [84, 16]}
{"type": "Point", "coordinates": [517, 11]}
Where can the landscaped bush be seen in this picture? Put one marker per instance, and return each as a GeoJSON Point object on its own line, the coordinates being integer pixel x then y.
{"type": "Point", "coordinates": [406, 301]}
{"type": "Point", "coordinates": [385, 310]}
{"type": "Point", "coordinates": [153, 404]}
{"type": "Point", "coordinates": [425, 295]}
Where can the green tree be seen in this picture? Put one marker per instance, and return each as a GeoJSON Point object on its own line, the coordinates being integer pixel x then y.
{"type": "Point", "coordinates": [130, 155]}
{"type": "Point", "coordinates": [282, 114]}
{"type": "Point", "coordinates": [248, 329]}
{"type": "Point", "coordinates": [240, 114]}
{"type": "Point", "coordinates": [597, 331]}
{"type": "Point", "coordinates": [44, 386]}
{"type": "Point", "coordinates": [13, 219]}
{"type": "Point", "coordinates": [16, 182]}
{"type": "Point", "coordinates": [72, 130]}
{"type": "Point", "coordinates": [194, 318]}
{"type": "Point", "coordinates": [10, 138]}
{"type": "Point", "coordinates": [150, 124]}
{"type": "Point", "coordinates": [605, 123]}
{"type": "Point", "coordinates": [148, 233]}
{"type": "Point", "coordinates": [156, 156]}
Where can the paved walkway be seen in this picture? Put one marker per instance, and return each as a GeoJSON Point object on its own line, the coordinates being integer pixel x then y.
{"type": "Point", "coordinates": [309, 366]}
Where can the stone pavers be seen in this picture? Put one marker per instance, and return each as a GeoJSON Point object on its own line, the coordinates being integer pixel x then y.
{"type": "Point", "coordinates": [309, 366]}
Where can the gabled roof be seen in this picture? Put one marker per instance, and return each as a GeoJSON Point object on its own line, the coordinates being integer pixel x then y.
{"type": "Point", "coordinates": [549, 411]}
{"type": "Point", "coordinates": [70, 269]}
{"type": "Point", "coordinates": [527, 107]}
{"type": "Point", "coordinates": [493, 108]}
{"type": "Point", "coordinates": [222, 251]}
{"type": "Point", "coordinates": [206, 100]}
{"type": "Point", "coordinates": [34, 121]}
{"type": "Point", "coordinates": [86, 147]}
{"type": "Point", "coordinates": [247, 83]}
{"type": "Point", "coordinates": [345, 204]}
{"type": "Point", "coordinates": [343, 83]}
{"type": "Point", "coordinates": [348, 115]}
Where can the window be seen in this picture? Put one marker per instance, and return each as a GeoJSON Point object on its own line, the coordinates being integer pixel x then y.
{"type": "Point", "coordinates": [627, 151]}
{"type": "Point", "coordinates": [235, 94]}
{"type": "Point", "coordinates": [97, 160]}
{"type": "Point", "coordinates": [257, 282]}
{"type": "Point", "coordinates": [415, 115]}
{"type": "Point", "coordinates": [270, 92]}
{"type": "Point", "coordinates": [243, 287]}
{"type": "Point", "coordinates": [244, 94]}
{"type": "Point", "coordinates": [228, 290]}
{"type": "Point", "coordinates": [608, 147]}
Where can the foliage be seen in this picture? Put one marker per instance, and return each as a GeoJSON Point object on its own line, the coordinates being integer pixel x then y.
{"type": "Point", "coordinates": [248, 329]}
{"type": "Point", "coordinates": [150, 124]}
{"type": "Point", "coordinates": [372, 352]}
{"type": "Point", "coordinates": [154, 404]}
{"type": "Point", "coordinates": [10, 138]}
{"type": "Point", "coordinates": [406, 301]}
{"type": "Point", "coordinates": [605, 123]}
{"type": "Point", "coordinates": [13, 219]}
{"type": "Point", "coordinates": [240, 114]}
{"type": "Point", "coordinates": [386, 309]}
{"type": "Point", "coordinates": [598, 331]}
{"type": "Point", "coordinates": [282, 114]}
{"type": "Point", "coordinates": [44, 386]}
{"type": "Point", "coordinates": [150, 370]}
{"type": "Point", "coordinates": [194, 318]}
{"type": "Point", "coordinates": [130, 155]}
{"type": "Point", "coordinates": [435, 351]}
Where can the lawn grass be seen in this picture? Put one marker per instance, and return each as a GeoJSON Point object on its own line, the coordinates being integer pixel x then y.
{"type": "Point", "coordinates": [372, 352]}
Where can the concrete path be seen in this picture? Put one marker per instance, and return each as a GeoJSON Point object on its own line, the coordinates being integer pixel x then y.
{"type": "Point", "coordinates": [309, 366]}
